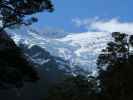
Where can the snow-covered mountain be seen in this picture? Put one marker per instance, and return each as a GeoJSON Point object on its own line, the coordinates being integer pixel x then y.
{"type": "Point", "coordinates": [79, 49]}
{"type": "Point", "coordinates": [40, 57]}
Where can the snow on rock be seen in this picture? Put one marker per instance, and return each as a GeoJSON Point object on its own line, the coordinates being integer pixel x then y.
{"type": "Point", "coordinates": [79, 49]}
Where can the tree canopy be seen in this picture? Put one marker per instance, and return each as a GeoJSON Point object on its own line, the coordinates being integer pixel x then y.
{"type": "Point", "coordinates": [15, 69]}
{"type": "Point", "coordinates": [114, 82]}
{"type": "Point", "coordinates": [116, 68]}
{"type": "Point", "coordinates": [14, 12]}
{"type": "Point", "coordinates": [74, 88]}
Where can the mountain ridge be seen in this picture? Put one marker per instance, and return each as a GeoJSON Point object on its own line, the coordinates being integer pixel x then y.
{"type": "Point", "coordinates": [79, 49]}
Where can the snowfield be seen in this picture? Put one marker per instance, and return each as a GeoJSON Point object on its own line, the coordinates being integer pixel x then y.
{"type": "Point", "coordinates": [80, 49]}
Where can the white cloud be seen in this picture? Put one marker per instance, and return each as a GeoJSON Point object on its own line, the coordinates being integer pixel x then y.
{"type": "Point", "coordinates": [77, 22]}
{"type": "Point", "coordinates": [100, 25]}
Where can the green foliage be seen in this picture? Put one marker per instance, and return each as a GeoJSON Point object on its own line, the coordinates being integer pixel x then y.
{"type": "Point", "coordinates": [15, 69]}
{"type": "Point", "coordinates": [13, 12]}
{"type": "Point", "coordinates": [74, 88]}
{"type": "Point", "coordinates": [115, 68]}
{"type": "Point", "coordinates": [118, 49]}
{"type": "Point", "coordinates": [115, 75]}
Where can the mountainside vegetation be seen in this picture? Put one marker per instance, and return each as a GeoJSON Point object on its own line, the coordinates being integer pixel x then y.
{"type": "Point", "coordinates": [114, 82]}
{"type": "Point", "coordinates": [17, 12]}
{"type": "Point", "coordinates": [116, 68]}
{"type": "Point", "coordinates": [14, 66]}
{"type": "Point", "coordinates": [15, 69]}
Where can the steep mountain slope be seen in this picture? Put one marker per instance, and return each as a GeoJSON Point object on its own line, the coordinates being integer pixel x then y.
{"type": "Point", "coordinates": [57, 56]}
{"type": "Point", "coordinates": [43, 58]}
{"type": "Point", "coordinates": [50, 70]}
{"type": "Point", "coordinates": [79, 49]}
{"type": "Point", "coordinates": [83, 48]}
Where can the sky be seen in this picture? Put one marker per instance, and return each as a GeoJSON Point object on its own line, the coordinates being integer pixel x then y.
{"type": "Point", "coordinates": [79, 15]}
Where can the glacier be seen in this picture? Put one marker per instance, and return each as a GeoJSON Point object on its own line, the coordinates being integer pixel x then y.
{"type": "Point", "coordinates": [79, 49]}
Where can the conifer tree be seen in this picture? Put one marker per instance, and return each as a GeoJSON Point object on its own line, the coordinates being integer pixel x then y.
{"type": "Point", "coordinates": [15, 69]}
{"type": "Point", "coordinates": [116, 68]}
{"type": "Point", "coordinates": [17, 12]}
